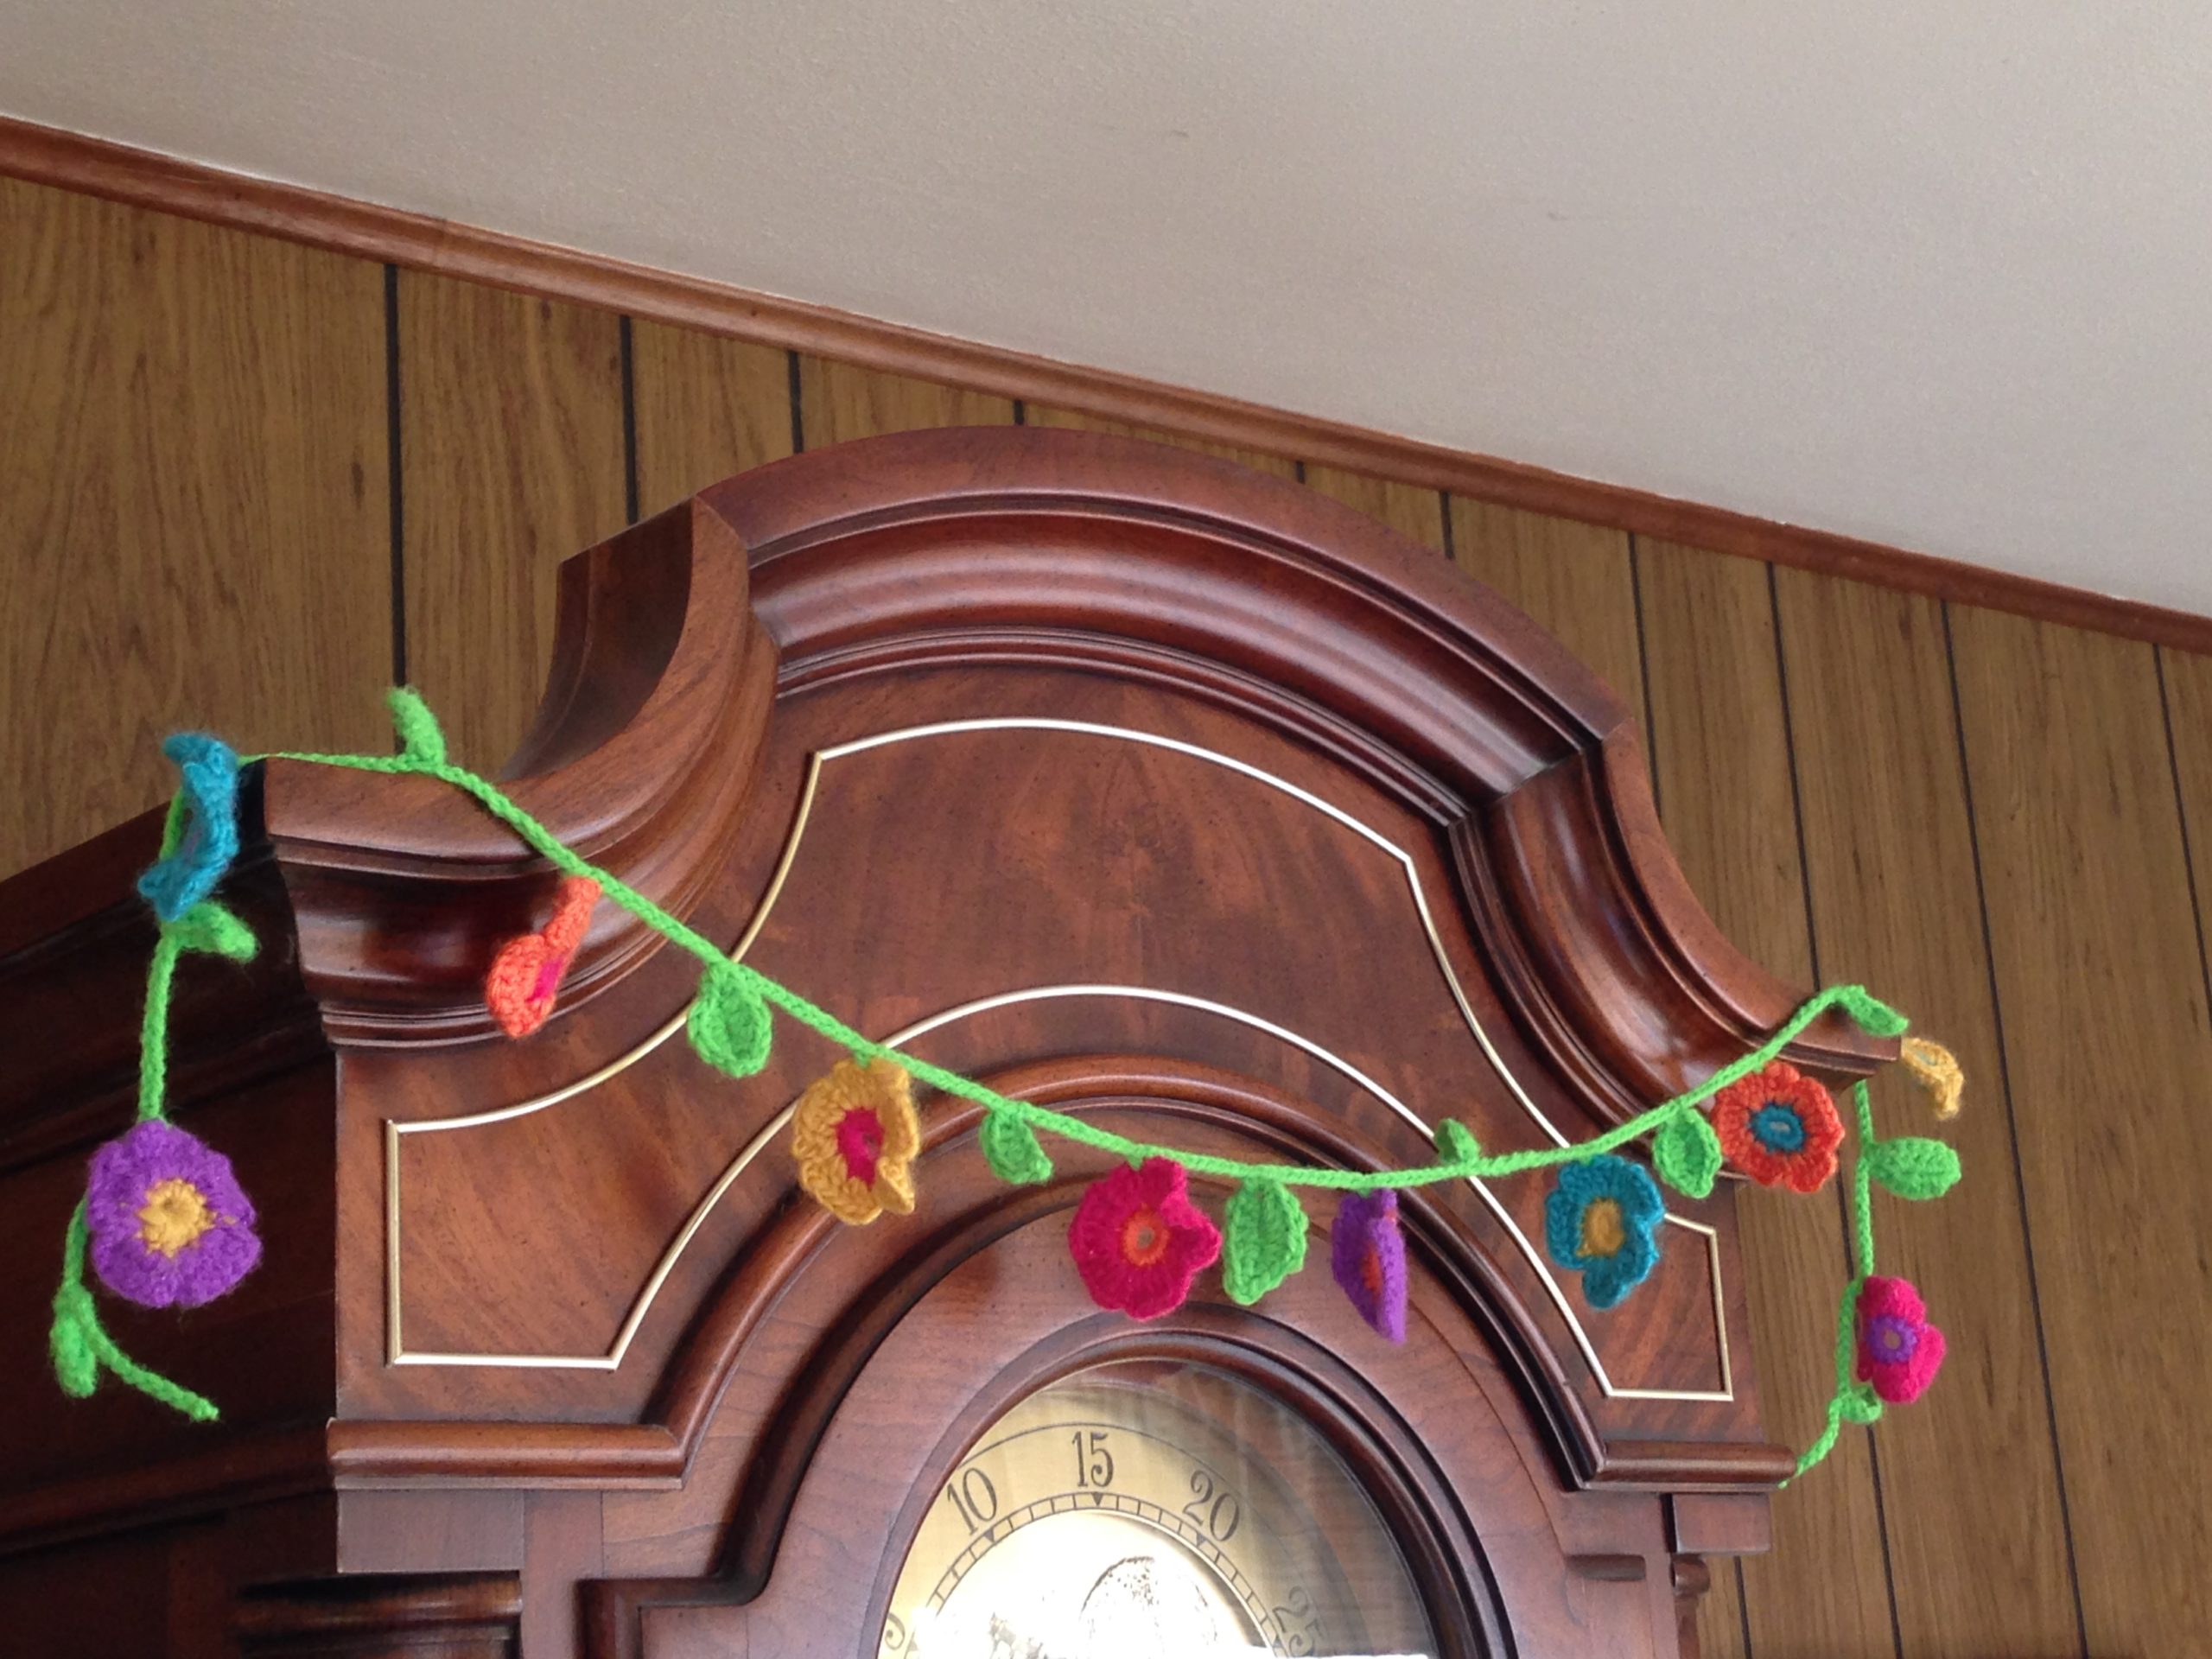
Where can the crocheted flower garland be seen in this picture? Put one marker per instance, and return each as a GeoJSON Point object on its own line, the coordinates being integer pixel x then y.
{"type": "Point", "coordinates": [166, 1224]}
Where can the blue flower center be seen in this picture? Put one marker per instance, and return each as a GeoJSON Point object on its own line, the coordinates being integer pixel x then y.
{"type": "Point", "coordinates": [1777, 1127]}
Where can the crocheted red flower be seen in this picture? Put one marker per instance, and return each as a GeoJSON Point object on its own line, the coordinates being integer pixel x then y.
{"type": "Point", "coordinates": [1138, 1240]}
{"type": "Point", "coordinates": [1899, 1352]}
{"type": "Point", "coordinates": [526, 975]}
{"type": "Point", "coordinates": [1779, 1127]}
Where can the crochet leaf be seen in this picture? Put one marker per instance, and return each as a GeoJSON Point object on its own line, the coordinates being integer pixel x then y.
{"type": "Point", "coordinates": [420, 738]}
{"type": "Point", "coordinates": [1457, 1142]}
{"type": "Point", "coordinates": [1686, 1153]}
{"type": "Point", "coordinates": [75, 1367]}
{"type": "Point", "coordinates": [729, 1024]}
{"type": "Point", "coordinates": [208, 927]}
{"type": "Point", "coordinates": [1913, 1167]}
{"type": "Point", "coordinates": [1011, 1148]}
{"type": "Point", "coordinates": [1265, 1241]}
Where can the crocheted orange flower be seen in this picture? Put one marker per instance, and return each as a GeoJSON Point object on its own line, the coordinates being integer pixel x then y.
{"type": "Point", "coordinates": [854, 1134]}
{"type": "Point", "coordinates": [1779, 1127]}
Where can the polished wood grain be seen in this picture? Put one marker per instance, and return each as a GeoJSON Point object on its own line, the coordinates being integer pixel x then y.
{"type": "Point", "coordinates": [838, 402]}
{"type": "Point", "coordinates": [196, 532]}
{"type": "Point", "coordinates": [510, 459]}
{"type": "Point", "coordinates": [147, 180]}
{"type": "Point", "coordinates": [2101, 984]}
{"type": "Point", "coordinates": [705, 407]}
{"type": "Point", "coordinates": [1878, 768]}
{"type": "Point", "coordinates": [1721, 744]}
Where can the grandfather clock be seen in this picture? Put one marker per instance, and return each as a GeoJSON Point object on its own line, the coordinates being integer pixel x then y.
{"type": "Point", "coordinates": [1180, 799]}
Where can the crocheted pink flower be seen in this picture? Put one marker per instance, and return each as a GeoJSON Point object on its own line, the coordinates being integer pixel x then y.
{"type": "Point", "coordinates": [1899, 1352]}
{"type": "Point", "coordinates": [1138, 1240]}
{"type": "Point", "coordinates": [170, 1226]}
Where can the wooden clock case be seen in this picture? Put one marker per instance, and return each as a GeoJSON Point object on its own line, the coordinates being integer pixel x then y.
{"type": "Point", "coordinates": [1126, 780]}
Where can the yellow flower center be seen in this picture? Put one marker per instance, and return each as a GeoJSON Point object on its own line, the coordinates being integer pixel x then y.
{"type": "Point", "coordinates": [1603, 1233]}
{"type": "Point", "coordinates": [174, 1215]}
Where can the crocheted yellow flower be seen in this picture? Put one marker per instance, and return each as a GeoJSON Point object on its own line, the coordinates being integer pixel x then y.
{"type": "Point", "coordinates": [854, 1134]}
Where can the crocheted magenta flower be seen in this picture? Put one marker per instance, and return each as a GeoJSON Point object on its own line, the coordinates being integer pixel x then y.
{"type": "Point", "coordinates": [1367, 1254]}
{"type": "Point", "coordinates": [1138, 1240]}
{"type": "Point", "coordinates": [208, 839]}
{"type": "Point", "coordinates": [170, 1226]}
{"type": "Point", "coordinates": [1899, 1352]}
{"type": "Point", "coordinates": [1779, 1127]}
{"type": "Point", "coordinates": [1601, 1220]}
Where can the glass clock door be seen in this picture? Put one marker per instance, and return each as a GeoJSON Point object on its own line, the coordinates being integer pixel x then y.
{"type": "Point", "coordinates": [1153, 1507]}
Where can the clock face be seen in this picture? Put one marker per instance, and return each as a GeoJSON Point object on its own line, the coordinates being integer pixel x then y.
{"type": "Point", "coordinates": [1152, 1508]}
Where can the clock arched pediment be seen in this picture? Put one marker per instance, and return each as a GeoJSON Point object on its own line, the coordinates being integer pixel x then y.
{"type": "Point", "coordinates": [1165, 794]}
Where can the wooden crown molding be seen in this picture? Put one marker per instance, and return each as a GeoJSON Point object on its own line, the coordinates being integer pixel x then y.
{"type": "Point", "coordinates": [147, 179]}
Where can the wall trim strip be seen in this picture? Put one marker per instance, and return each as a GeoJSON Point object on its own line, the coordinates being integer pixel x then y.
{"type": "Point", "coordinates": [147, 179]}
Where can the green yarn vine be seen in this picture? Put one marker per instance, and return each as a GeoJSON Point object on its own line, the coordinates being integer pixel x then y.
{"type": "Point", "coordinates": [730, 1025]}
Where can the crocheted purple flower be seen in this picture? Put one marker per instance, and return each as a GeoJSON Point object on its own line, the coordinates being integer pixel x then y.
{"type": "Point", "coordinates": [208, 837]}
{"type": "Point", "coordinates": [170, 1226]}
{"type": "Point", "coordinates": [1367, 1254]}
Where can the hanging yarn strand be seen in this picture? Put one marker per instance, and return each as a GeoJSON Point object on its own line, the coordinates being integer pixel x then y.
{"type": "Point", "coordinates": [1137, 1240]}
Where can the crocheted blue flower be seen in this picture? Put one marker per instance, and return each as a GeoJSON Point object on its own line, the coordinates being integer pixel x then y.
{"type": "Point", "coordinates": [1601, 1220]}
{"type": "Point", "coordinates": [208, 838]}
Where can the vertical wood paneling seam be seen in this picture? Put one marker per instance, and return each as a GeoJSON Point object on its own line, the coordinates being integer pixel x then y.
{"type": "Point", "coordinates": [1651, 741]}
{"type": "Point", "coordinates": [1298, 471]}
{"type": "Point", "coordinates": [1812, 952]}
{"type": "Point", "coordinates": [1020, 412]}
{"type": "Point", "coordinates": [629, 419]}
{"type": "Point", "coordinates": [798, 421]}
{"type": "Point", "coordinates": [1444, 512]}
{"type": "Point", "coordinates": [2013, 1124]}
{"type": "Point", "coordinates": [393, 473]}
{"type": "Point", "coordinates": [2181, 816]}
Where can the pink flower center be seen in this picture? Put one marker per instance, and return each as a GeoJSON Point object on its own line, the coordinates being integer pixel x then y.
{"type": "Point", "coordinates": [860, 1143]}
{"type": "Point", "coordinates": [1144, 1238]}
{"type": "Point", "coordinates": [548, 978]}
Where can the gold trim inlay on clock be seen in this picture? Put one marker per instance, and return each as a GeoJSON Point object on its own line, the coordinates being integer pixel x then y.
{"type": "Point", "coordinates": [395, 1130]}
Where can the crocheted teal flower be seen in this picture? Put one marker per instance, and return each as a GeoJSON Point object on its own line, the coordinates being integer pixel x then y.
{"type": "Point", "coordinates": [1601, 1220]}
{"type": "Point", "coordinates": [208, 838]}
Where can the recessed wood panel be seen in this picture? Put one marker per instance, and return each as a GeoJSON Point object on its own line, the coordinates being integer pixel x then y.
{"type": "Point", "coordinates": [511, 459]}
{"type": "Point", "coordinates": [2188, 721]}
{"type": "Point", "coordinates": [1721, 744]}
{"type": "Point", "coordinates": [197, 533]}
{"type": "Point", "coordinates": [1415, 513]}
{"type": "Point", "coordinates": [706, 407]}
{"type": "Point", "coordinates": [838, 402]}
{"type": "Point", "coordinates": [1578, 580]}
{"type": "Point", "coordinates": [2102, 987]}
{"type": "Point", "coordinates": [1878, 765]}
{"type": "Point", "coordinates": [1258, 461]}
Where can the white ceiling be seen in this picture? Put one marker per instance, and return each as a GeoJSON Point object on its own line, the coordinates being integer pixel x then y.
{"type": "Point", "coordinates": [1933, 274]}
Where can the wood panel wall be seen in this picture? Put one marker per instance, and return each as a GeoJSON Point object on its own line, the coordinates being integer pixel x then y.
{"type": "Point", "coordinates": [245, 484]}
